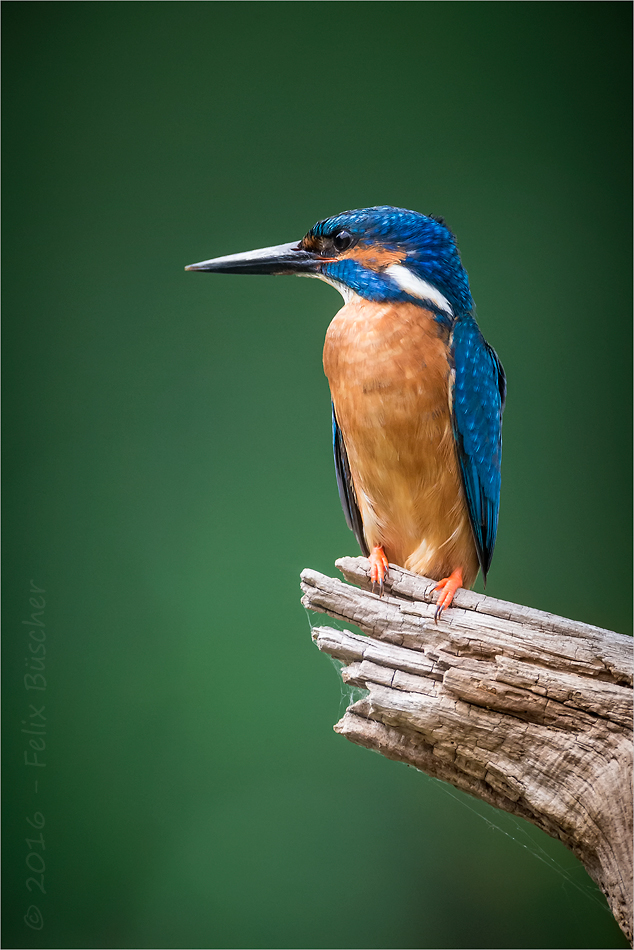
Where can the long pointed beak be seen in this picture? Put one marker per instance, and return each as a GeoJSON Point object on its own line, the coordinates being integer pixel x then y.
{"type": "Point", "coordinates": [281, 259]}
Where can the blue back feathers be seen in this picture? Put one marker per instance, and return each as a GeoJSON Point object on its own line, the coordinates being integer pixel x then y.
{"type": "Point", "coordinates": [479, 393]}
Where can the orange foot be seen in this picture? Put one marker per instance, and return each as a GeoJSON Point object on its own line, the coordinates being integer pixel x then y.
{"type": "Point", "coordinates": [447, 587]}
{"type": "Point", "coordinates": [378, 567]}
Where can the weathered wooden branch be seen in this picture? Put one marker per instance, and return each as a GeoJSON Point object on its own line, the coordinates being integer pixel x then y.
{"type": "Point", "coordinates": [525, 710]}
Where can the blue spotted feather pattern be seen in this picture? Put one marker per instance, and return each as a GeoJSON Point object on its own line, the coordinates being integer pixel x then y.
{"type": "Point", "coordinates": [432, 254]}
{"type": "Point", "coordinates": [478, 396]}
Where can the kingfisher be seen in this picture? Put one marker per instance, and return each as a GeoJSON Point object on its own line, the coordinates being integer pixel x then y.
{"type": "Point", "coordinates": [417, 392]}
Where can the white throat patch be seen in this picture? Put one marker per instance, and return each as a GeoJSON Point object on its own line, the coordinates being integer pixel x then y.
{"type": "Point", "coordinates": [346, 292]}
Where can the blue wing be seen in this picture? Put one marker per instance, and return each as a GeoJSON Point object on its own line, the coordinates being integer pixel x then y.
{"type": "Point", "coordinates": [478, 396]}
{"type": "Point", "coordinates": [347, 494]}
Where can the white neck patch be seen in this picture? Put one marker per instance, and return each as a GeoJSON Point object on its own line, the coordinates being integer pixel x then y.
{"type": "Point", "coordinates": [417, 287]}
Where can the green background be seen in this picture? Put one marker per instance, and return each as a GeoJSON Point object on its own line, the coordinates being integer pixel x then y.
{"type": "Point", "coordinates": [168, 469]}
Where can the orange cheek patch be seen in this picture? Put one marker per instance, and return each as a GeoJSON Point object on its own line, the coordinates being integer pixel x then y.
{"type": "Point", "coordinates": [373, 257]}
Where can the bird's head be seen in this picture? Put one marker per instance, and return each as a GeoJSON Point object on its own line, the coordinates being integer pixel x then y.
{"type": "Point", "coordinates": [381, 254]}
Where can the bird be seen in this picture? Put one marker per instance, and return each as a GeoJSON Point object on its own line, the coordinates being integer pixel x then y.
{"type": "Point", "coordinates": [417, 392]}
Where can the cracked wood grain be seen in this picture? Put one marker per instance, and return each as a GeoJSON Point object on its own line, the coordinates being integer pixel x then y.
{"type": "Point", "coordinates": [530, 712]}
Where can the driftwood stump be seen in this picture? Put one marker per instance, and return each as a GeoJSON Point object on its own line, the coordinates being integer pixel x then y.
{"type": "Point", "coordinates": [525, 710]}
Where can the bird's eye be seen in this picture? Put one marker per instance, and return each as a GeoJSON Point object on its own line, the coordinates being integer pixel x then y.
{"type": "Point", "coordinates": [342, 240]}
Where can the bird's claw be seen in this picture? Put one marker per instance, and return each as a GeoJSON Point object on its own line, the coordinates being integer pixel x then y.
{"type": "Point", "coordinates": [378, 568]}
{"type": "Point", "coordinates": [447, 587]}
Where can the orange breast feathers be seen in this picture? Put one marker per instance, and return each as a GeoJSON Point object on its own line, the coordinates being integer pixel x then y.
{"type": "Point", "coordinates": [388, 369]}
